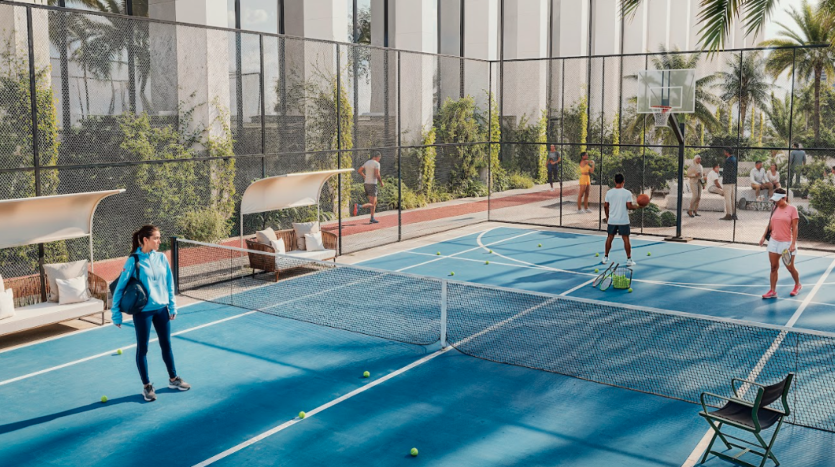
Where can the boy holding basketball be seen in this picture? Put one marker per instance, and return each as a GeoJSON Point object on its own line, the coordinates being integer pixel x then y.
{"type": "Point", "coordinates": [617, 205]}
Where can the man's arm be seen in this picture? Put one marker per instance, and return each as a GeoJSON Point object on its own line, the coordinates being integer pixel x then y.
{"type": "Point", "coordinates": [377, 174]}
{"type": "Point", "coordinates": [606, 209]}
{"type": "Point", "coordinates": [361, 171]}
{"type": "Point", "coordinates": [716, 182]}
{"type": "Point", "coordinates": [631, 206]}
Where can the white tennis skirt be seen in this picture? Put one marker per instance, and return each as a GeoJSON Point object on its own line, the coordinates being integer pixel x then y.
{"type": "Point", "coordinates": [777, 247]}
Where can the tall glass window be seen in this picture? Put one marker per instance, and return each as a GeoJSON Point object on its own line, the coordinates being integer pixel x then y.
{"type": "Point", "coordinates": [363, 23]}
{"type": "Point", "coordinates": [256, 15]}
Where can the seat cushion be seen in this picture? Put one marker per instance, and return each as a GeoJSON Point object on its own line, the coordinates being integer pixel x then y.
{"type": "Point", "coordinates": [742, 414]}
{"type": "Point", "coordinates": [6, 303]}
{"type": "Point", "coordinates": [265, 236]}
{"type": "Point", "coordinates": [41, 314]}
{"type": "Point", "coordinates": [316, 255]}
{"type": "Point", "coordinates": [301, 229]}
{"type": "Point", "coordinates": [63, 271]}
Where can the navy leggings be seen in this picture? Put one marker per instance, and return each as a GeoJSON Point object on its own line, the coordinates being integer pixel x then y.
{"type": "Point", "coordinates": [162, 324]}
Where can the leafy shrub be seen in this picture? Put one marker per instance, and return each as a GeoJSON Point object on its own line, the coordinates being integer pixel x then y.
{"type": "Point", "coordinates": [822, 198]}
{"type": "Point", "coordinates": [518, 180]}
{"type": "Point", "coordinates": [204, 225]}
{"type": "Point", "coordinates": [648, 216]}
{"type": "Point", "coordinates": [472, 188]}
{"type": "Point", "coordinates": [668, 219]}
{"type": "Point", "coordinates": [388, 197]}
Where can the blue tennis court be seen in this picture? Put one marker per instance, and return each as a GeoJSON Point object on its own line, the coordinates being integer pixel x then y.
{"type": "Point", "coordinates": [314, 335]}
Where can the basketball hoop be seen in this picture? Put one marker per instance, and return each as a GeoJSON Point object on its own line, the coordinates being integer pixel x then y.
{"type": "Point", "coordinates": [661, 114]}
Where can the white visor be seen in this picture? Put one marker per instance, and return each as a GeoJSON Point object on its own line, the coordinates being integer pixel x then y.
{"type": "Point", "coordinates": [777, 196]}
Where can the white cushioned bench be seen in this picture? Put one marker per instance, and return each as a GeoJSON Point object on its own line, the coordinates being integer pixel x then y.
{"type": "Point", "coordinates": [43, 314]}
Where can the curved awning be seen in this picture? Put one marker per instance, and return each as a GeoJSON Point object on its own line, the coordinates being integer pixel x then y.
{"type": "Point", "coordinates": [43, 219]}
{"type": "Point", "coordinates": [286, 191]}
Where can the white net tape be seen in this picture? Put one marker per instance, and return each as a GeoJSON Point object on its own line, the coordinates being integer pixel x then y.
{"type": "Point", "coordinates": [661, 114]}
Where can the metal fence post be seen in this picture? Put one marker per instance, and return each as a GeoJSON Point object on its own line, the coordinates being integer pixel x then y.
{"type": "Point", "coordinates": [443, 314]}
{"type": "Point", "coordinates": [175, 263]}
{"type": "Point", "coordinates": [338, 102]}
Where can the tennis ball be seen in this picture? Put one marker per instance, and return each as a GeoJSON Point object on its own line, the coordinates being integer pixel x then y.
{"type": "Point", "coordinates": [540, 245]}
{"type": "Point", "coordinates": [119, 351]}
{"type": "Point", "coordinates": [487, 262]}
{"type": "Point", "coordinates": [104, 399]}
{"type": "Point", "coordinates": [491, 251]}
{"type": "Point", "coordinates": [366, 374]}
{"type": "Point", "coordinates": [452, 273]}
{"type": "Point", "coordinates": [630, 290]}
{"type": "Point", "coordinates": [597, 255]}
{"type": "Point", "coordinates": [596, 270]}
{"type": "Point", "coordinates": [438, 253]}
{"type": "Point", "coordinates": [649, 254]}
{"type": "Point", "coordinates": [302, 415]}
{"type": "Point", "coordinates": [414, 452]}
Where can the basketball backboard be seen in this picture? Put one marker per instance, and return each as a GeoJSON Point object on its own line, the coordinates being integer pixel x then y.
{"type": "Point", "coordinates": [668, 88]}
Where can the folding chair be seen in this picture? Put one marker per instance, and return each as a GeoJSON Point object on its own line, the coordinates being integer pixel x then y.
{"type": "Point", "coordinates": [753, 417]}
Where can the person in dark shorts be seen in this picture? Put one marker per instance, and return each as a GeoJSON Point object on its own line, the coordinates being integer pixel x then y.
{"type": "Point", "coordinates": [370, 171]}
{"type": "Point", "coordinates": [617, 205]}
{"type": "Point", "coordinates": [553, 165]}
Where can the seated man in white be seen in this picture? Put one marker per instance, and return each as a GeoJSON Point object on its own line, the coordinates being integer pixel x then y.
{"type": "Point", "coordinates": [759, 180]}
{"type": "Point", "coordinates": [714, 181]}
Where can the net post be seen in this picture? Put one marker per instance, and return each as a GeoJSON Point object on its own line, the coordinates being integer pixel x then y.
{"type": "Point", "coordinates": [443, 313]}
{"type": "Point", "coordinates": [175, 264]}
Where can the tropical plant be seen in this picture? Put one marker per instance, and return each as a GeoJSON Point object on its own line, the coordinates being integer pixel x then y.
{"type": "Point", "coordinates": [717, 18]}
{"type": "Point", "coordinates": [813, 27]}
{"type": "Point", "coordinates": [781, 120]}
{"type": "Point", "coordinates": [744, 84]}
{"type": "Point", "coordinates": [456, 122]}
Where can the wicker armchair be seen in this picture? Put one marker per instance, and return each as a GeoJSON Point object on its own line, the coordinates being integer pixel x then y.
{"type": "Point", "coordinates": [266, 263]}
{"type": "Point", "coordinates": [27, 290]}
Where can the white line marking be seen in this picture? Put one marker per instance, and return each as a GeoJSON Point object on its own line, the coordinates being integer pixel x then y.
{"type": "Point", "coordinates": [478, 239]}
{"type": "Point", "coordinates": [699, 450]}
{"type": "Point", "coordinates": [430, 242]}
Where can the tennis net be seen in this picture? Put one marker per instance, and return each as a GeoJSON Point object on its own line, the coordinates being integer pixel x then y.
{"type": "Point", "coordinates": [670, 354]}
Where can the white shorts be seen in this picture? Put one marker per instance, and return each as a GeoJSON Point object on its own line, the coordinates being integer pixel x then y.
{"type": "Point", "coordinates": [777, 247]}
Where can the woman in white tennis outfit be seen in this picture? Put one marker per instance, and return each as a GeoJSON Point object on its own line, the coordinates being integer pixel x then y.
{"type": "Point", "coordinates": [782, 227]}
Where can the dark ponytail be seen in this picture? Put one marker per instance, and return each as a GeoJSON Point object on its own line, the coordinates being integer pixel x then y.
{"type": "Point", "coordinates": [146, 231]}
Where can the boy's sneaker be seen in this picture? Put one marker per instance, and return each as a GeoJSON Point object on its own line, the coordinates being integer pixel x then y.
{"type": "Point", "coordinates": [770, 294]}
{"type": "Point", "coordinates": [356, 209]}
{"type": "Point", "coordinates": [178, 383]}
{"type": "Point", "coordinates": [796, 290]}
{"type": "Point", "coordinates": [148, 393]}
{"type": "Point", "coordinates": [374, 221]}
{"type": "Point", "coordinates": [629, 262]}
{"type": "Point", "coordinates": [605, 260]}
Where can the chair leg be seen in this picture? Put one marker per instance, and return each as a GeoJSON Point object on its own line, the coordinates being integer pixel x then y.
{"type": "Point", "coordinates": [276, 275]}
{"type": "Point", "coordinates": [716, 433]}
{"type": "Point", "coordinates": [768, 454]}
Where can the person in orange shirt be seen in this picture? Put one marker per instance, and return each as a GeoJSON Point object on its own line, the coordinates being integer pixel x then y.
{"type": "Point", "coordinates": [586, 169]}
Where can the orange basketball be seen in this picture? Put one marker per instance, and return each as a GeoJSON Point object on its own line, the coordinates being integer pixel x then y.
{"type": "Point", "coordinates": [643, 199]}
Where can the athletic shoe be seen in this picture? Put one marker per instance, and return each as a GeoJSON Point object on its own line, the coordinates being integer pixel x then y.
{"type": "Point", "coordinates": [796, 290]}
{"type": "Point", "coordinates": [605, 260]}
{"type": "Point", "coordinates": [581, 211]}
{"type": "Point", "coordinates": [589, 211]}
{"type": "Point", "coordinates": [629, 262]}
{"type": "Point", "coordinates": [697, 214]}
{"type": "Point", "coordinates": [148, 393]}
{"type": "Point", "coordinates": [356, 208]}
{"type": "Point", "coordinates": [178, 383]}
{"type": "Point", "coordinates": [770, 294]}
{"type": "Point", "coordinates": [551, 189]}
{"type": "Point", "coordinates": [726, 218]}
{"type": "Point", "coordinates": [374, 221]}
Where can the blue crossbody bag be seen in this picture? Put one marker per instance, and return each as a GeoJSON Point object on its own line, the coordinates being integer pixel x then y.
{"type": "Point", "coordinates": [134, 297]}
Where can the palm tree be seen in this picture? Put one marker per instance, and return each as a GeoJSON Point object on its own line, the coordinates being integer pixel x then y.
{"type": "Point", "coordinates": [745, 84]}
{"type": "Point", "coordinates": [717, 17]}
{"type": "Point", "coordinates": [781, 120]}
{"type": "Point", "coordinates": [813, 26]}
{"type": "Point", "coordinates": [672, 60]}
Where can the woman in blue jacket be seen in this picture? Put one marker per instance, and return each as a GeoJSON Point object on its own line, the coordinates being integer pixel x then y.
{"type": "Point", "coordinates": [155, 275]}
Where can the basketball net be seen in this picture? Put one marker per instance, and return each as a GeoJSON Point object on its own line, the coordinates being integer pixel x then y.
{"type": "Point", "coordinates": [661, 114]}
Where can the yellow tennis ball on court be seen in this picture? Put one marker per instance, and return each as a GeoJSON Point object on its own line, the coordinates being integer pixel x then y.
{"type": "Point", "coordinates": [487, 262]}
{"type": "Point", "coordinates": [302, 415]}
{"type": "Point", "coordinates": [104, 399]}
{"type": "Point", "coordinates": [452, 273]}
{"type": "Point", "coordinates": [366, 374]}
{"type": "Point", "coordinates": [596, 270]}
{"type": "Point", "coordinates": [649, 254]}
{"type": "Point", "coordinates": [491, 251]}
{"type": "Point", "coordinates": [414, 452]}
{"type": "Point", "coordinates": [630, 290]}
{"type": "Point", "coordinates": [119, 351]}
{"type": "Point", "coordinates": [438, 253]}
{"type": "Point", "coordinates": [540, 245]}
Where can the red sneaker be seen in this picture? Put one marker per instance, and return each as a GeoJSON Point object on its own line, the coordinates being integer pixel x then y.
{"type": "Point", "coordinates": [796, 290]}
{"type": "Point", "coordinates": [770, 294]}
{"type": "Point", "coordinates": [356, 208]}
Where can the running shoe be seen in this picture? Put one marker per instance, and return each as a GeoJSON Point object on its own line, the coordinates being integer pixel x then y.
{"type": "Point", "coordinates": [178, 383]}
{"type": "Point", "coordinates": [796, 290]}
{"type": "Point", "coordinates": [356, 209]}
{"type": "Point", "coordinates": [374, 221]}
{"type": "Point", "coordinates": [589, 211]}
{"type": "Point", "coordinates": [605, 260]}
{"type": "Point", "coordinates": [148, 393]}
{"type": "Point", "coordinates": [770, 294]}
{"type": "Point", "coordinates": [629, 262]}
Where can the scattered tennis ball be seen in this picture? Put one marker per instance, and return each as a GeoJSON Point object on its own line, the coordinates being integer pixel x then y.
{"type": "Point", "coordinates": [366, 374]}
{"type": "Point", "coordinates": [438, 253]}
{"type": "Point", "coordinates": [596, 270]}
{"type": "Point", "coordinates": [302, 414]}
{"type": "Point", "coordinates": [487, 262]}
{"type": "Point", "coordinates": [649, 254]}
{"type": "Point", "coordinates": [452, 273]}
{"type": "Point", "coordinates": [597, 255]}
{"type": "Point", "coordinates": [491, 251]}
{"type": "Point", "coordinates": [119, 351]}
{"type": "Point", "coordinates": [414, 452]}
{"type": "Point", "coordinates": [540, 245]}
{"type": "Point", "coordinates": [104, 399]}
{"type": "Point", "coordinates": [630, 290]}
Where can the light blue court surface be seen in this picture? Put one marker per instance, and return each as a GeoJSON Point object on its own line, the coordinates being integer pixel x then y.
{"type": "Point", "coordinates": [252, 373]}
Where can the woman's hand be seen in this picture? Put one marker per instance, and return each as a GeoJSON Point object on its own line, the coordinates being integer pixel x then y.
{"type": "Point", "coordinates": [793, 246]}
{"type": "Point", "coordinates": [119, 326]}
{"type": "Point", "coordinates": [762, 240]}
{"type": "Point", "coordinates": [172, 317]}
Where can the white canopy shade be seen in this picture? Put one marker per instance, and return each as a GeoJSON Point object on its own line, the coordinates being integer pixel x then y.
{"type": "Point", "coordinates": [286, 191]}
{"type": "Point", "coordinates": [44, 219]}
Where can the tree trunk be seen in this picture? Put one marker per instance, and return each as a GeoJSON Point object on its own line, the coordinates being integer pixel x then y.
{"type": "Point", "coordinates": [743, 109]}
{"type": "Point", "coordinates": [817, 122]}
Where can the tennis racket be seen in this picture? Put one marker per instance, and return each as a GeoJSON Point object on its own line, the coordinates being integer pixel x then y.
{"type": "Point", "coordinates": [597, 280]}
{"type": "Point", "coordinates": [607, 281]}
{"type": "Point", "coordinates": [787, 257]}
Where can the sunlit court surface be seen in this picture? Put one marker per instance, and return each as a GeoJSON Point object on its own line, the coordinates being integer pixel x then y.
{"type": "Point", "coordinates": [541, 368]}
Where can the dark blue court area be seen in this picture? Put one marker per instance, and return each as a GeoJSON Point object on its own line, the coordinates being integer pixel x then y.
{"type": "Point", "coordinates": [253, 372]}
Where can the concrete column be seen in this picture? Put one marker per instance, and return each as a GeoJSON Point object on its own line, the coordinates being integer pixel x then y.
{"type": "Point", "coordinates": [680, 25]}
{"type": "Point", "coordinates": [14, 36]}
{"type": "Point", "coordinates": [635, 32]}
{"type": "Point", "coordinates": [606, 27]}
{"type": "Point", "coordinates": [695, 26]}
{"type": "Point", "coordinates": [658, 25]}
{"type": "Point", "coordinates": [526, 36]}
{"type": "Point", "coordinates": [450, 32]}
{"type": "Point", "coordinates": [481, 29]}
{"type": "Point", "coordinates": [573, 28]}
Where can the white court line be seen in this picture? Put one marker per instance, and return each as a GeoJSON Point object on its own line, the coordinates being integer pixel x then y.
{"type": "Point", "coordinates": [478, 239]}
{"type": "Point", "coordinates": [699, 450]}
{"type": "Point", "coordinates": [410, 250]}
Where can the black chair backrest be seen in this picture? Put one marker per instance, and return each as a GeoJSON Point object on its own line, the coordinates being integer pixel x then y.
{"type": "Point", "coordinates": [776, 391]}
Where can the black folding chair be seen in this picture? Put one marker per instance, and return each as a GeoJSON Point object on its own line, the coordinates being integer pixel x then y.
{"type": "Point", "coordinates": [753, 417]}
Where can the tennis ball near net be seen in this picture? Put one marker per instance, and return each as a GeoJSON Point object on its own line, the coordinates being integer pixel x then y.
{"type": "Point", "coordinates": [539, 246]}
{"type": "Point", "coordinates": [438, 253]}
{"type": "Point", "coordinates": [366, 374]}
{"type": "Point", "coordinates": [452, 273]}
{"type": "Point", "coordinates": [597, 255]}
{"type": "Point", "coordinates": [649, 254]}
{"type": "Point", "coordinates": [487, 262]}
{"type": "Point", "coordinates": [490, 251]}
{"type": "Point", "coordinates": [104, 399]}
{"type": "Point", "coordinates": [119, 351]}
{"type": "Point", "coordinates": [596, 270]}
{"type": "Point", "coordinates": [630, 290]}
{"type": "Point", "coordinates": [414, 452]}
{"type": "Point", "coordinates": [302, 414]}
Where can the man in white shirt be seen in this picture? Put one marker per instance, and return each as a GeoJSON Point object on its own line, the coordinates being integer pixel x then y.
{"type": "Point", "coordinates": [714, 183]}
{"type": "Point", "coordinates": [759, 180]}
{"type": "Point", "coordinates": [370, 171]}
{"type": "Point", "coordinates": [617, 204]}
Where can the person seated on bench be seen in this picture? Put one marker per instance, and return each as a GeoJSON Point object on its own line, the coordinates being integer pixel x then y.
{"type": "Point", "coordinates": [759, 180]}
{"type": "Point", "coordinates": [714, 181]}
{"type": "Point", "coordinates": [773, 176]}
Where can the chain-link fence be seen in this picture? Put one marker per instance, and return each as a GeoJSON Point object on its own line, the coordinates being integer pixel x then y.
{"type": "Point", "coordinates": [185, 117]}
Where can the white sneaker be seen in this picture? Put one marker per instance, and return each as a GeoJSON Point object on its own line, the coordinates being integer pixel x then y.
{"type": "Point", "coordinates": [580, 211]}
{"type": "Point", "coordinates": [589, 211]}
{"type": "Point", "coordinates": [629, 262]}
{"type": "Point", "coordinates": [551, 189]}
{"type": "Point", "coordinates": [605, 260]}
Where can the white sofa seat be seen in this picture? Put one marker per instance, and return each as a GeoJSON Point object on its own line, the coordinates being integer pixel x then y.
{"type": "Point", "coordinates": [42, 314]}
{"type": "Point", "coordinates": [314, 255]}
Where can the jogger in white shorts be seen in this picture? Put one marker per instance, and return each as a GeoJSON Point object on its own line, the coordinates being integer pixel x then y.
{"type": "Point", "coordinates": [782, 230]}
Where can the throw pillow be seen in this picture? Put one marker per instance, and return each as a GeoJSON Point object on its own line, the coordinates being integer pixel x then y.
{"type": "Point", "coordinates": [63, 271]}
{"type": "Point", "coordinates": [2, 287]}
{"type": "Point", "coordinates": [302, 229]}
{"type": "Point", "coordinates": [72, 290]}
{"type": "Point", "coordinates": [313, 241]}
{"type": "Point", "coordinates": [278, 246]}
{"type": "Point", "coordinates": [265, 236]}
{"type": "Point", "coordinates": [6, 304]}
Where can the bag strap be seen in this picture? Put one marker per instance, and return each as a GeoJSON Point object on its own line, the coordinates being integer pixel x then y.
{"type": "Point", "coordinates": [136, 264]}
